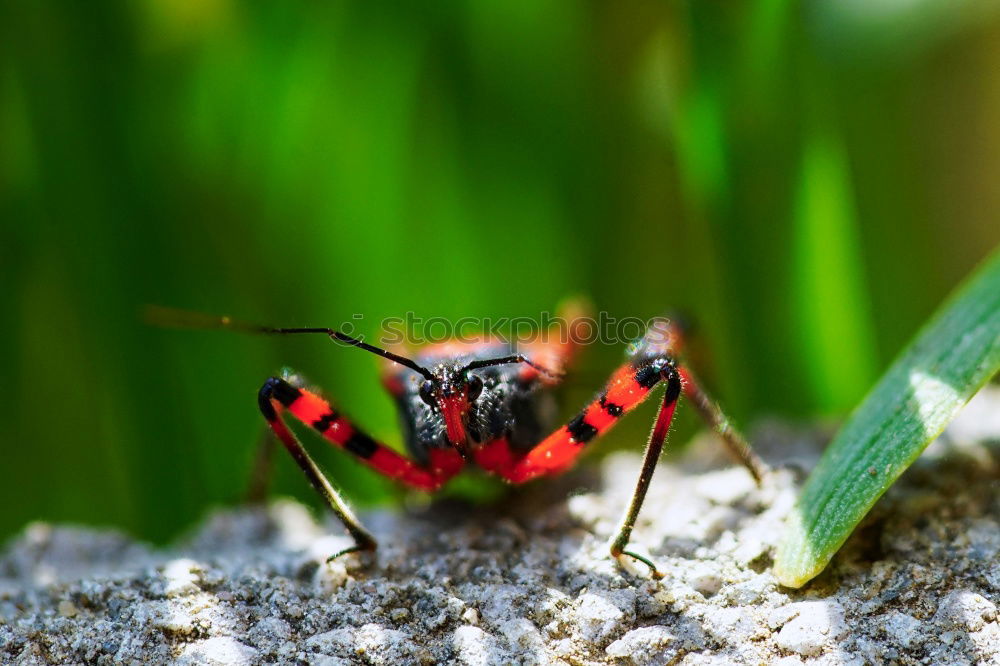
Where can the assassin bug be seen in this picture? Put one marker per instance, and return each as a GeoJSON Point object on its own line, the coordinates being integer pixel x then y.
{"type": "Point", "coordinates": [485, 403]}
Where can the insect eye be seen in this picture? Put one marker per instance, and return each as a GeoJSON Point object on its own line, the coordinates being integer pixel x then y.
{"type": "Point", "coordinates": [475, 387]}
{"type": "Point", "coordinates": [427, 392]}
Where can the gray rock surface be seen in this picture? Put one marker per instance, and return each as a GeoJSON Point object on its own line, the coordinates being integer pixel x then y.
{"type": "Point", "coordinates": [530, 581]}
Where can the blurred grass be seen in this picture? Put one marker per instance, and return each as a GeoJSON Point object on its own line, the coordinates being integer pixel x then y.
{"type": "Point", "coordinates": [808, 193]}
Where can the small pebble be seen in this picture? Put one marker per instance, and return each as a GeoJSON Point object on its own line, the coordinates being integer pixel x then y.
{"type": "Point", "coordinates": [815, 625]}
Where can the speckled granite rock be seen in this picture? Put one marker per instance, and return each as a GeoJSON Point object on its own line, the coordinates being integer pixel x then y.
{"type": "Point", "coordinates": [531, 582]}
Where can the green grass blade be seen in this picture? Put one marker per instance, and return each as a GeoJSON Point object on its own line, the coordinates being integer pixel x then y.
{"type": "Point", "coordinates": [831, 310]}
{"type": "Point", "coordinates": [957, 352]}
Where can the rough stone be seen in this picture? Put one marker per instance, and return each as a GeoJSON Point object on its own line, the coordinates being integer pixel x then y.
{"type": "Point", "coordinates": [965, 609]}
{"type": "Point", "coordinates": [647, 645]}
{"type": "Point", "coordinates": [220, 650]}
{"type": "Point", "coordinates": [814, 625]}
{"type": "Point", "coordinates": [530, 581]}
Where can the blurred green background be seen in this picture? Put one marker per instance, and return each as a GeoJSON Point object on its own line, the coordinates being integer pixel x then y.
{"type": "Point", "coordinates": [808, 181]}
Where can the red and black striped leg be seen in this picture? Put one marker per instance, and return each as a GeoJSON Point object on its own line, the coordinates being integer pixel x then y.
{"type": "Point", "coordinates": [274, 396]}
{"type": "Point", "coordinates": [277, 395]}
{"type": "Point", "coordinates": [650, 458]}
{"type": "Point", "coordinates": [629, 385]}
{"type": "Point", "coordinates": [316, 412]}
{"type": "Point", "coordinates": [627, 388]}
{"type": "Point", "coordinates": [713, 415]}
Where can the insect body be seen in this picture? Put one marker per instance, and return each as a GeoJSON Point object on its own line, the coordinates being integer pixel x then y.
{"type": "Point", "coordinates": [486, 404]}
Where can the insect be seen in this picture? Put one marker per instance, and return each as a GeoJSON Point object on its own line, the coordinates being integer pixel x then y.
{"type": "Point", "coordinates": [484, 403]}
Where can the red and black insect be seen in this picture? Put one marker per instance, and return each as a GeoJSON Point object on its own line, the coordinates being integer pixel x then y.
{"type": "Point", "coordinates": [487, 404]}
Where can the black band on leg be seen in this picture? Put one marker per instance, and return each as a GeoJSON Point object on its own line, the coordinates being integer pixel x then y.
{"type": "Point", "coordinates": [581, 431]}
{"type": "Point", "coordinates": [277, 389]}
{"type": "Point", "coordinates": [673, 384]}
{"type": "Point", "coordinates": [647, 376]}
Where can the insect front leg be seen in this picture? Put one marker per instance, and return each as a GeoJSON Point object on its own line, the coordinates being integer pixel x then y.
{"type": "Point", "coordinates": [273, 398]}
{"type": "Point", "coordinates": [278, 395]}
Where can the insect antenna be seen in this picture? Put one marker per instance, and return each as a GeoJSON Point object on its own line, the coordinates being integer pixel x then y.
{"type": "Point", "coordinates": [173, 318]}
{"type": "Point", "coordinates": [515, 358]}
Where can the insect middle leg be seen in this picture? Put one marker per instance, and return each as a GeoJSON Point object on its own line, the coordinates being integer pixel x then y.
{"type": "Point", "coordinates": [278, 395]}
{"type": "Point", "coordinates": [713, 415]}
{"type": "Point", "coordinates": [667, 335]}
